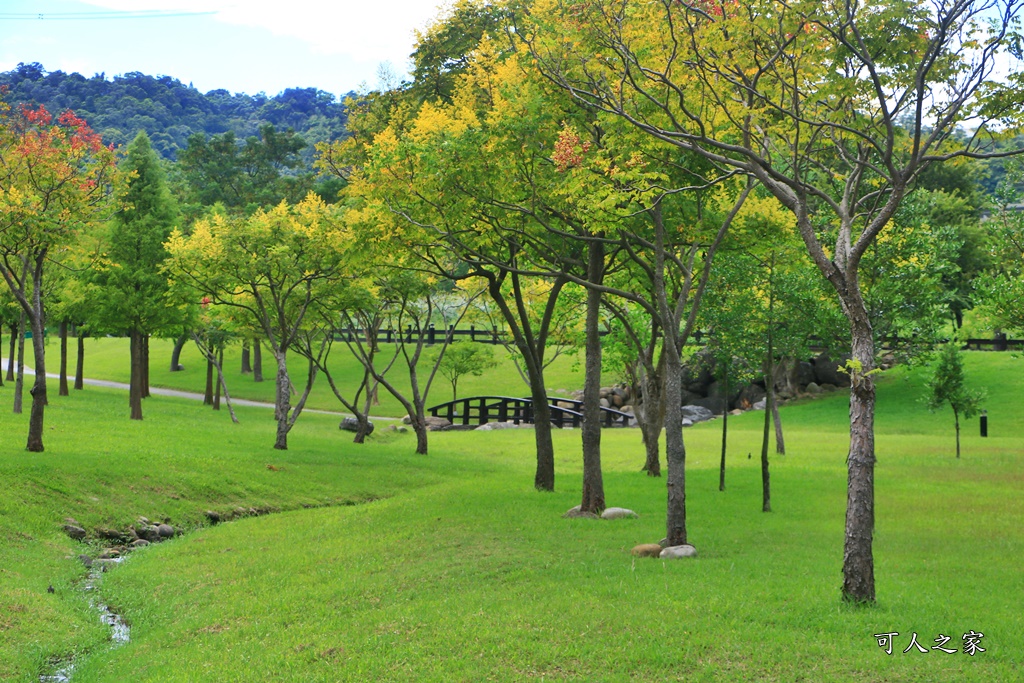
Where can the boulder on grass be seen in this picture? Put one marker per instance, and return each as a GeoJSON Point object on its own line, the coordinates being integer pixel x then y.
{"type": "Point", "coordinates": [646, 550]}
{"type": "Point", "coordinates": [826, 370]}
{"type": "Point", "coordinates": [351, 424]}
{"type": "Point", "coordinates": [805, 373]}
{"type": "Point", "coordinates": [577, 513]}
{"type": "Point", "coordinates": [437, 424]}
{"type": "Point", "coordinates": [675, 552]}
{"type": "Point", "coordinates": [751, 394]}
{"type": "Point", "coordinates": [492, 426]}
{"type": "Point", "coordinates": [697, 413]}
{"type": "Point", "coordinates": [617, 513]}
{"type": "Point", "coordinates": [715, 404]}
{"type": "Point", "coordinates": [109, 534]}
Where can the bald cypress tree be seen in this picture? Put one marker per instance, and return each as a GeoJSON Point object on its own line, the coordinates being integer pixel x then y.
{"type": "Point", "coordinates": [135, 290]}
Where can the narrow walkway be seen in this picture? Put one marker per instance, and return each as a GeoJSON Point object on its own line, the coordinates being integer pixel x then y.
{"type": "Point", "coordinates": [177, 393]}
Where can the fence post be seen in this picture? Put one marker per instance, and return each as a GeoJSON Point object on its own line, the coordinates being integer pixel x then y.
{"type": "Point", "coordinates": [494, 332]}
{"type": "Point", "coordinates": [472, 333]}
{"type": "Point", "coordinates": [999, 342]}
{"type": "Point", "coordinates": [430, 334]}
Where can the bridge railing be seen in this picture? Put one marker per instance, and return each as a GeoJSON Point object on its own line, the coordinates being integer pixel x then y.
{"type": "Point", "coordinates": [484, 409]}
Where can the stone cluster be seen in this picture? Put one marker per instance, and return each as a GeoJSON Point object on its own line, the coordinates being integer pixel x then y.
{"type": "Point", "coordinates": [704, 396]}
{"type": "Point", "coordinates": [116, 543]}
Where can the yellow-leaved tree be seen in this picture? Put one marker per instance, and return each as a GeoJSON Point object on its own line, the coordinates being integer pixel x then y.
{"type": "Point", "coordinates": [274, 265]}
{"type": "Point", "coordinates": [835, 107]}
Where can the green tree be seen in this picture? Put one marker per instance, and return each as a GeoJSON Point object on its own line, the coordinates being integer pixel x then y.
{"type": "Point", "coordinates": [948, 386]}
{"type": "Point", "coordinates": [273, 265]}
{"type": "Point", "coordinates": [834, 107]}
{"type": "Point", "coordinates": [260, 171]}
{"type": "Point", "coordinates": [465, 359]}
{"type": "Point", "coordinates": [444, 49]}
{"type": "Point", "coordinates": [133, 283]}
{"type": "Point", "coordinates": [1002, 287]}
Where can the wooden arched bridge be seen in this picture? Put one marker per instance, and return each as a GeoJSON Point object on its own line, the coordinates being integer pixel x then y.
{"type": "Point", "coordinates": [479, 410]}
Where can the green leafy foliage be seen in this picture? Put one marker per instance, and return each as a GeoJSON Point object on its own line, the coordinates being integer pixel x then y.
{"type": "Point", "coordinates": [171, 112]}
{"type": "Point", "coordinates": [465, 358]}
{"type": "Point", "coordinates": [134, 288]}
{"type": "Point", "coordinates": [948, 384]}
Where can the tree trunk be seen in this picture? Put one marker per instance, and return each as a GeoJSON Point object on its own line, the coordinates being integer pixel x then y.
{"type": "Point", "coordinates": [282, 399]}
{"type": "Point", "coordinates": [62, 389]}
{"type": "Point", "coordinates": [1, 350]}
{"type": "Point", "coordinates": [675, 449]}
{"type": "Point", "coordinates": [257, 361]}
{"type": "Point", "coordinates": [80, 361]}
{"type": "Point", "coordinates": [144, 347]}
{"type": "Point", "coordinates": [766, 489]}
{"type": "Point", "coordinates": [220, 378]}
{"type": "Point", "coordinates": [224, 386]}
{"type": "Point", "coordinates": [135, 384]}
{"type": "Point", "coordinates": [246, 364]}
{"type": "Point", "coordinates": [35, 420]}
{"type": "Point", "coordinates": [593, 482]}
{"type": "Point", "coordinates": [956, 420]}
{"type": "Point", "coordinates": [419, 427]}
{"type": "Point", "coordinates": [362, 429]}
{"type": "Point", "coordinates": [364, 417]}
{"type": "Point", "coordinates": [544, 476]}
{"type": "Point", "coordinates": [533, 357]}
{"type": "Point", "coordinates": [653, 422]}
{"type": "Point", "coordinates": [19, 382]}
{"type": "Point", "coordinates": [179, 344]}
{"type": "Point", "coordinates": [12, 353]}
{"type": "Point", "coordinates": [725, 437]}
{"type": "Point", "coordinates": [858, 561]}
{"type": "Point", "coordinates": [780, 442]}
{"type": "Point", "coordinates": [208, 394]}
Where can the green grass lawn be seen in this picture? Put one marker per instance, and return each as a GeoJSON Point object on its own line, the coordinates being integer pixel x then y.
{"type": "Point", "coordinates": [450, 567]}
{"type": "Point", "coordinates": [107, 358]}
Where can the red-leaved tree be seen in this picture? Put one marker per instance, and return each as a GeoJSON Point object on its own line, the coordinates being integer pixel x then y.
{"type": "Point", "coordinates": [55, 177]}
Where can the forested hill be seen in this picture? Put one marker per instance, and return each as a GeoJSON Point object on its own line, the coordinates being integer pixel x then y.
{"type": "Point", "coordinates": [170, 111]}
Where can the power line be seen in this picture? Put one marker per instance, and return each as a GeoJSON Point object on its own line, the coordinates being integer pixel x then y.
{"type": "Point", "coordinates": [93, 16]}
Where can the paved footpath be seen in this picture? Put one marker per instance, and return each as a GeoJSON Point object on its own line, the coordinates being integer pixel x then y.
{"type": "Point", "coordinates": [176, 393]}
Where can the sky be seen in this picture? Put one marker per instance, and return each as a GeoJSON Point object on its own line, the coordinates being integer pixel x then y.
{"type": "Point", "coordinates": [245, 46]}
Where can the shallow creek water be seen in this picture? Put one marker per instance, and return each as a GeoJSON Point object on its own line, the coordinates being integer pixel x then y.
{"type": "Point", "coordinates": [119, 631]}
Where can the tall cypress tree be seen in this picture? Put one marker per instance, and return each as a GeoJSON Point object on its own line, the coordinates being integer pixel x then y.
{"type": "Point", "coordinates": [135, 289]}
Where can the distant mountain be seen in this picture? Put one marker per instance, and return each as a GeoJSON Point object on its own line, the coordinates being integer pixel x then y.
{"type": "Point", "coordinates": [170, 111]}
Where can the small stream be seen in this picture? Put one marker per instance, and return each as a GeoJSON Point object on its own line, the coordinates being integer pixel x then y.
{"type": "Point", "coordinates": [119, 631]}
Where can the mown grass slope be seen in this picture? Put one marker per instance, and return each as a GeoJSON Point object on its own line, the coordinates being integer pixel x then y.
{"type": "Point", "coordinates": [457, 570]}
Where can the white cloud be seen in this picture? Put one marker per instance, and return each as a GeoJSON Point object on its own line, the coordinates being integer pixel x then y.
{"type": "Point", "coordinates": [368, 31]}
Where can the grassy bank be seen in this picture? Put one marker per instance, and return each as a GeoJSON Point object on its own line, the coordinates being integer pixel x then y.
{"type": "Point", "coordinates": [457, 570]}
